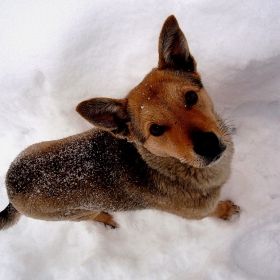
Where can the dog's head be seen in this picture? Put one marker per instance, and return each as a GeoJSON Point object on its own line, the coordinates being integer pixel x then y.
{"type": "Point", "coordinates": [169, 112]}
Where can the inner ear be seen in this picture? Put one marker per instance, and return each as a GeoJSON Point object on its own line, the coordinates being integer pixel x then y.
{"type": "Point", "coordinates": [173, 48]}
{"type": "Point", "coordinates": [107, 114]}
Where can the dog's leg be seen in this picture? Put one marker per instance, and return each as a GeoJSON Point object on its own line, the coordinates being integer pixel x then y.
{"type": "Point", "coordinates": [225, 209]}
{"type": "Point", "coordinates": [97, 216]}
{"type": "Point", "coordinates": [106, 219]}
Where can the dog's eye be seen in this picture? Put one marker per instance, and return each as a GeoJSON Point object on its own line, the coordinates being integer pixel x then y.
{"type": "Point", "coordinates": [157, 130]}
{"type": "Point", "coordinates": [191, 98]}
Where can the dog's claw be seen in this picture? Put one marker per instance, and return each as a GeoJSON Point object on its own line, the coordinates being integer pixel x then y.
{"type": "Point", "coordinates": [111, 226]}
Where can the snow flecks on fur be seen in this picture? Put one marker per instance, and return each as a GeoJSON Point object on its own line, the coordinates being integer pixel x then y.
{"type": "Point", "coordinates": [77, 172]}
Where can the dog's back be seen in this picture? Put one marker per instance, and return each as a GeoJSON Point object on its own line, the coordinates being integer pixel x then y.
{"type": "Point", "coordinates": [95, 171]}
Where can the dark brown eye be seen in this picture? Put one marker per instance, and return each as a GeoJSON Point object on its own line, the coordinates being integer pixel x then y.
{"type": "Point", "coordinates": [157, 130]}
{"type": "Point", "coordinates": [191, 98]}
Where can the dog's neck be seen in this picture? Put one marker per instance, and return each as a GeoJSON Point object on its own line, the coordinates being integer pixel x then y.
{"type": "Point", "coordinates": [182, 172]}
{"type": "Point", "coordinates": [167, 166]}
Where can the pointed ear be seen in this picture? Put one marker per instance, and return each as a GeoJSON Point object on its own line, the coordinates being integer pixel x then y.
{"type": "Point", "coordinates": [173, 48]}
{"type": "Point", "coordinates": [107, 114]}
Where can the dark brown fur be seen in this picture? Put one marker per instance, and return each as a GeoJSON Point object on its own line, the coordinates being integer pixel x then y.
{"type": "Point", "coordinates": [121, 165]}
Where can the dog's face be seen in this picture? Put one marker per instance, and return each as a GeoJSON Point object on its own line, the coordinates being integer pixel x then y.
{"type": "Point", "coordinates": [169, 112]}
{"type": "Point", "coordinates": [172, 115]}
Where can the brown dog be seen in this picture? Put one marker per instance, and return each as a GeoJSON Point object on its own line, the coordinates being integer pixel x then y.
{"type": "Point", "coordinates": [162, 147]}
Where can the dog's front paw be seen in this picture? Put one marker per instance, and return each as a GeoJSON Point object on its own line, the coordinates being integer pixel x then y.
{"type": "Point", "coordinates": [226, 209]}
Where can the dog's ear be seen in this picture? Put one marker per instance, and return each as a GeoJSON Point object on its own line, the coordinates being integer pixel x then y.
{"type": "Point", "coordinates": [173, 48]}
{"type": "Point", "coordinates": [107, 114]}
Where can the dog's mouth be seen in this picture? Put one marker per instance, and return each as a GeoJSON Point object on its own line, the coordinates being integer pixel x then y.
{"type": "Point", "coordinates": [208, 147]}
{"type": "Point", "coordinates": [210, 161]}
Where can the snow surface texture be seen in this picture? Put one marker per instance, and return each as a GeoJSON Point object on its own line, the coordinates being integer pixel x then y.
{"type": "Point", "coordinates": [55, 54]}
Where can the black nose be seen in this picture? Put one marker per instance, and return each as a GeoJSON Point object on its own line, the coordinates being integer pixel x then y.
{"type": "Point", "coordinates": [208, 145]}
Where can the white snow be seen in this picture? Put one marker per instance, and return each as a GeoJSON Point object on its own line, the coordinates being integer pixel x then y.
{"type": "Point", "coordinates": [54, 54]}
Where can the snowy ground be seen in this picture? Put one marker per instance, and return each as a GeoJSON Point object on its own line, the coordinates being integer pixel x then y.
{"type": "Point", "coordinates": [55, 54]}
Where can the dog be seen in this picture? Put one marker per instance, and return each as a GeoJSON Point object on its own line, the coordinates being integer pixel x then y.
{"type": "Point", "coordinates": [162, 147]}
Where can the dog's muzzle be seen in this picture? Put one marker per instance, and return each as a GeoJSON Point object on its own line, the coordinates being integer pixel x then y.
{"type": "Point", "coordinates": [208, 146]}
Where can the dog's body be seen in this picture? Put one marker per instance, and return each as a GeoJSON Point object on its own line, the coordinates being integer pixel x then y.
{"type": "Point", "coordinates": [162, 147]}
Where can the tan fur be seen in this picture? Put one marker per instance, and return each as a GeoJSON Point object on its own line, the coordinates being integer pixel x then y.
{"type": "Point", "coordinates": [162, 147]}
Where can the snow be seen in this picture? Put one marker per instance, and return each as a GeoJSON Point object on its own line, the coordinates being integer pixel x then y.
{"type": "Point", "coordinates": [55, 54]}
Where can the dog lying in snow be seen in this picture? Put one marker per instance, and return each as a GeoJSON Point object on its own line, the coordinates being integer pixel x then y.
{"type": "Point", "coordinates": [162, 147]}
